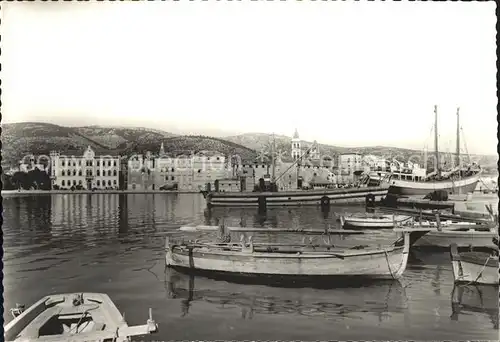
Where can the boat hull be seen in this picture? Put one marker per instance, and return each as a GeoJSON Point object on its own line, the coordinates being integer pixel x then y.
{"type": "Point", "coordinates": [296, 198]}
{"type": "Point", "coordinates": [462, 239]}
{"type": "Point", "coordinates": [374, 223]}
{"type": "Point", "coordinates": [380, 264]}
{"type": "Point", "coordinates": [410, 188]}
{"type": "Point", "coordinates": [474, 267]}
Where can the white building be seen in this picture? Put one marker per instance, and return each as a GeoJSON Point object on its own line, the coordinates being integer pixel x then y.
{"type": "Point", "coordinates": [87, 171]}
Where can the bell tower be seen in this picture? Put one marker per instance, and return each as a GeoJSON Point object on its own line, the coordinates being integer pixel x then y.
{"type": "Point", "coordinates": [296, 148]}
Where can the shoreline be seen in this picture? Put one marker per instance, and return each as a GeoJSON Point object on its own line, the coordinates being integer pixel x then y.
{"type": "Point", "coordinates": [16, 193]}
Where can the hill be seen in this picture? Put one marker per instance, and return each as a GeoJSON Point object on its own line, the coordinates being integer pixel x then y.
{"type": "Point", "coordinates": [21, 139]}
{"type": "Point", "coordinates": [262, 141]}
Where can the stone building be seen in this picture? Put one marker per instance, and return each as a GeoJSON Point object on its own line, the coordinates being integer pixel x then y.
{"type": "Point", "coordinates": [87, 171]}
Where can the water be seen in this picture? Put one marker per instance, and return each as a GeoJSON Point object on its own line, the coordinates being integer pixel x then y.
{"type": "Point", "coordinates": [114, 243]}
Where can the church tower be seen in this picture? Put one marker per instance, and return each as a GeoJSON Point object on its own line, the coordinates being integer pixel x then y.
{"type": "Point", "coordinates": [296, 149]}
{"type": "Point", "coordinates": [162, 150]}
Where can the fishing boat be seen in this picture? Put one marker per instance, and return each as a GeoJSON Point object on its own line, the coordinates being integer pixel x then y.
{"type": "Point", "coordinates": [474, 267]}
{"type": "Point", "coordinates": [375, 220]}
{"type": "Point", "coordinates": [73, 317]}
{"type": "Point", "coordinates": [247, 258]}
{"type": "Point", "coordinates": [414, 181]}
{"type": "Point", "coordinates": [267, 193]}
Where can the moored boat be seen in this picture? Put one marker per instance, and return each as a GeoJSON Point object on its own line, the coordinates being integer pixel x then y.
{"type": "Point", "coordinates": [460, 234]}
{"type": "Point", "coordinates": [474, 267]}
{"type": "Point", "coordinates": [73, 317]}
{"type": "Point", "coordinates": [324, 197]}
{"type": "Point", "coordinates": [375, 221]}
{"type": "Point", "coordinates": [414, 181]}
{"type": "Point", "coordinates": [290, 260]}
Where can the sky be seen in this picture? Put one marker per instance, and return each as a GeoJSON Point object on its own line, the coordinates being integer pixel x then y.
{"type": "Point", "coordinates": [343, 73]}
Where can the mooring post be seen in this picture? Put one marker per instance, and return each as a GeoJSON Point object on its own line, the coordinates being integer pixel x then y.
{"type": "Point", "coordinates": [438, 222]}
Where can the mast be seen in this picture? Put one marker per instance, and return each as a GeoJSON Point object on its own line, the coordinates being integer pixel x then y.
{"type": "Point", "coordinates": [458, 137]}
{"type": "Point", "coordinates": [273, 161]}
{"type": "Point", "coordinates": [436, 144]}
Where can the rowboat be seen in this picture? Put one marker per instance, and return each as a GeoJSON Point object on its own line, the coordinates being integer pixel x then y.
{"type": "Point", "coordinates": [474, 267]}
{"type": "Point", "coordinates": [73, 317]}
{"type": "Point", "coordinates": [375, 221]}
{"type": "Point", "coordinates": [471, 236]}
{"type": "Point", "coordinates": [290, 260]}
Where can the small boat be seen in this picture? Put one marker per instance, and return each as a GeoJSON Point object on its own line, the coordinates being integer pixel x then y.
{"type": "Point", "coordinates": [247, 258]}
{"type": "Point", "coordinates": [73, 317]}
{"type": "Point", "coordinates": [474, 267]}
{"type": "Point", "coordinates": [375, 221]}
{"type": "Point", "coordinates": [461, 235]}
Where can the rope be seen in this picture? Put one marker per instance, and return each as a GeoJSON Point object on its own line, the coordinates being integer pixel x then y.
{"type": "Point", "coordinates": [487, 187]}
{"type": "Point", "coordinates": [480, 273]}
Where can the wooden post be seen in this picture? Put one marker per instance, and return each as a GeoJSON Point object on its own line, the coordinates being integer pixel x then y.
{"type": "Point", "coordinates": [438, 222]}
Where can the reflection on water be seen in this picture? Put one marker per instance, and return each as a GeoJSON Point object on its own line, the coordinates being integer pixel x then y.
{"type": "Point", "coordinates": [379, 299]}
{"type": "Point", "coordinates": [114, 243]}
{"type": "Point", "coordinates": [475, 299]}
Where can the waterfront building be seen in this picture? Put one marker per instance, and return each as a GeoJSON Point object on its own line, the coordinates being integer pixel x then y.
{"type": "Point", "coordinates": [87, 171]}
{"type": "Point", "coordinates": [185, 172]}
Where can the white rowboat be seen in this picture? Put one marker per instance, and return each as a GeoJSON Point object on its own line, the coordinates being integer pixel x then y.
{"type": "Point", "coordinates": [73, 317]}
{"type": "Point", "coordinates": [474, 267]}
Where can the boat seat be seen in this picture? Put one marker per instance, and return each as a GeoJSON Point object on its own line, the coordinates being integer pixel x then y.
{"type": "Point", "coordinates": [479, 258]}
{"type": "Point", "coordinates": [32, 330]}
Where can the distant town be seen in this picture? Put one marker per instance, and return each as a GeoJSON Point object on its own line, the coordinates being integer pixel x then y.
{"type": "Point", "coordinates": [297, 167]}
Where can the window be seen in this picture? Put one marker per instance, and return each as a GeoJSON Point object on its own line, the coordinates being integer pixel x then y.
{"type": "Point", "coordinates": [74, 182]}
{"type": "Point", "coordinates": [62, 173]}
{"type": "Point", "coordinates": [172, 169]}
{"type": "Point", "coordinates": [114, 182]}
{"type": "Point", "coordinates": [114, 162]}
{"type": "Point", "coordinates": [109, 162]}
{"type": "Point", "coordinates": [63, 183]}
{"type": "Point", "coordinates": [80, 182]}
{"type": "Point", "coordinates": [109, 182]}
{"type": "Point", "coordinates": [114, 172]}
{"type": "Point", "coordinates": [98, 172]}
{"type": "Point", "coordinates": [74, 163]}
{"type": "Point", "coordinates": [98, 182]}
{"type": "Point", "coordinates": [109, 172]}
{"type": "Point", "coordinates": [79, 163]}
{"type": "Point", "coordinates": [79, 172]}
{"type": "Point", "coordinates": [173, 177]}
{"type": "Point", "coordinates": [98, 163]}
{"type": "Point", "coordinates": [74, 172]}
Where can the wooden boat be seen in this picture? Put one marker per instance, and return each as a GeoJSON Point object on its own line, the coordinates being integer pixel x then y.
{"type": "Point", "coordinates": [202, 228]}
{"type": "Point", "coordinates": [416, 181]}
{"type": "Point", "coordinates": [73, 317]}
{"type": "Point", "coordinates": [375, 221]}
{"type": "Point", "coordinates": [323, 197]}
{"type": "Point", "coordinates": [480, 237]}
{"type": "Point", "coordinates": [474, 267]}
{"type": "Point", "coordinates": [290, 260]}
{"type": "Point", "coordinates": [475, 299]}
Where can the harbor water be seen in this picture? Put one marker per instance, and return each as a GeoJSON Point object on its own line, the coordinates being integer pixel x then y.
{"type": "Point", "coordinates": [114, 243]}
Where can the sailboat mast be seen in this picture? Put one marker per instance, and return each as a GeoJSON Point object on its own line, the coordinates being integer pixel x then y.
{"type": "Point", "coordinates": [458, 137]}
{"type": "Point", "coordinates": [273, 161]}
{"type": "Point", "coordinates": [436, 144]}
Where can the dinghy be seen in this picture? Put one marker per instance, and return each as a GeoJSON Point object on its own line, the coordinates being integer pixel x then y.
{"type": "Point", "coordinates": [73, 317]}
{"type": "Point", "coordinates": [375, 221]}
{"type": "Point", "coordinates": [290, 260]}
{"type": "Point", "coordinates": [474, 267]}
{"type": "Point", "coordinates": [472, 237]}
